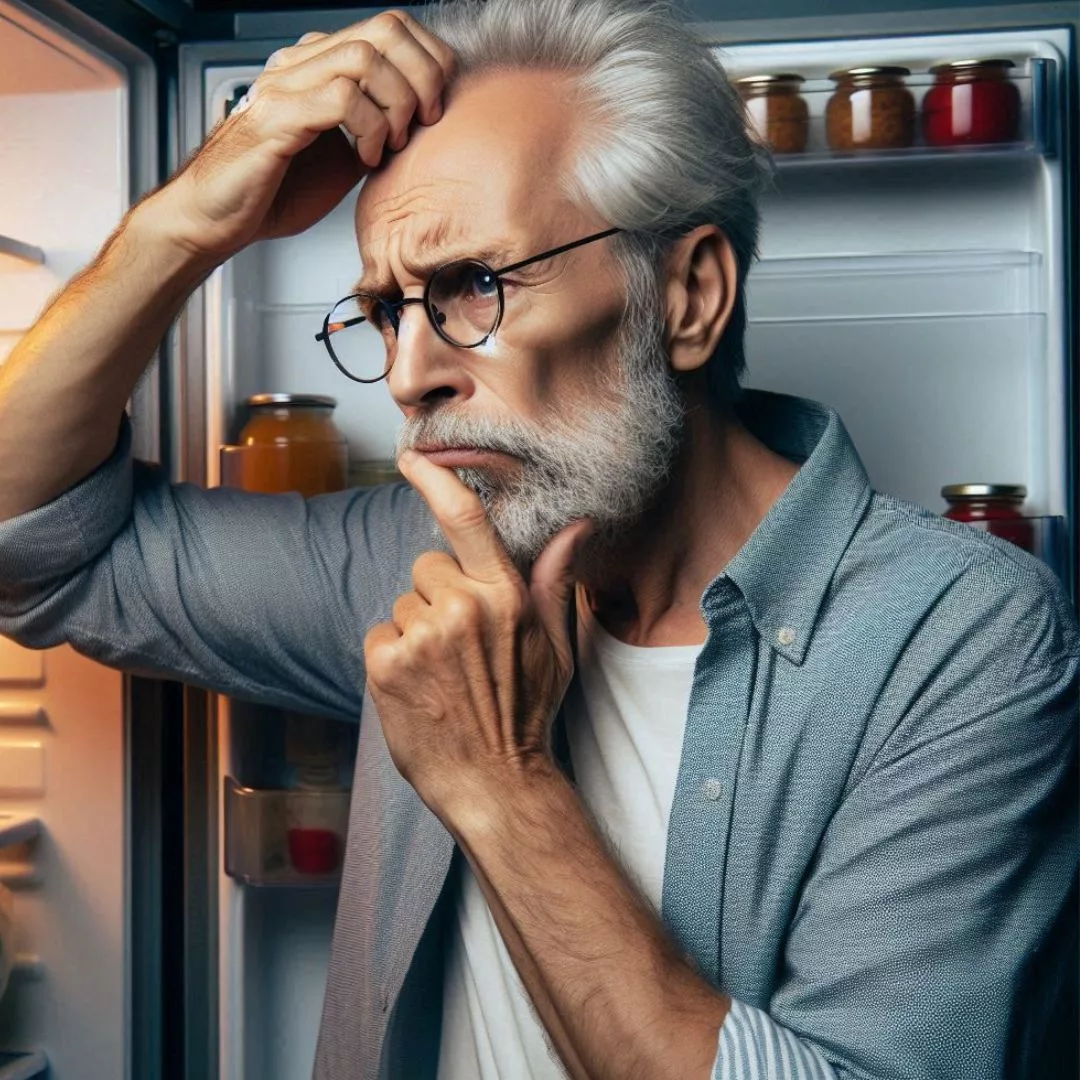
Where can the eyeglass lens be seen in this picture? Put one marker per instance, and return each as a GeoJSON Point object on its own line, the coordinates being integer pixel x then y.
{"type": "Point", "coordinates": [464, 304]}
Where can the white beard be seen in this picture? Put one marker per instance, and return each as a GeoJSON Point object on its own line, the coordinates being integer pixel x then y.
{"type": "Point", "coordinates": [603, 463]}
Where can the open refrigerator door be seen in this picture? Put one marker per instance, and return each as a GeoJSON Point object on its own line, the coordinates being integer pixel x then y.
{"type": "Point", "coordinates": [63, 817]}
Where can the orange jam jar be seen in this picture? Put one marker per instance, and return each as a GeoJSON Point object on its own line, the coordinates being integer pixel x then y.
{"type": "Point", "coordinates": [289, 443]}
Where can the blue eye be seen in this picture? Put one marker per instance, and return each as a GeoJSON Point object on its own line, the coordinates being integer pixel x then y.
{"type": "Point", "coordinates": [484, 282]}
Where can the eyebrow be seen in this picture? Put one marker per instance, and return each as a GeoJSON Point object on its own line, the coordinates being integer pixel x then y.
{"type": "Point", "coordinates": [495, 256]}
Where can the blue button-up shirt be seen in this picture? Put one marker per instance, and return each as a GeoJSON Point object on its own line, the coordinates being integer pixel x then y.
{"type": "Point", "coordinates": [873, 835]}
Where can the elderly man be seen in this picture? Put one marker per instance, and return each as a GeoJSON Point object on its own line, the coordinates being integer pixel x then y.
{"type": "Point", "coordinates": [749, 771]}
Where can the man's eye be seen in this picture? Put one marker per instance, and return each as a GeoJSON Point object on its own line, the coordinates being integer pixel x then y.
{"type": "Point", "coordinates": [484, 283]}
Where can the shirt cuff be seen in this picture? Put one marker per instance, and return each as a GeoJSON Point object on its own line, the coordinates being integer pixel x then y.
{"type": "Point", "coordinates": [62, 536]}
{"type": "Point", "coordinates": [752, 1046]}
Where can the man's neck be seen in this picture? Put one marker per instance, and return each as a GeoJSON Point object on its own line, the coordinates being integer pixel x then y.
{"type": "Point", "coordinates": [723, 482]}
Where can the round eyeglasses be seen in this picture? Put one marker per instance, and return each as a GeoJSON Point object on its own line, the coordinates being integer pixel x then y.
{"type": "Point", "coordinates": [463, 301]}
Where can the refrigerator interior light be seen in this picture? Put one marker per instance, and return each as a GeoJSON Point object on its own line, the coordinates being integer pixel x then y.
{"type": "Point", "coordinates": [15, 255]}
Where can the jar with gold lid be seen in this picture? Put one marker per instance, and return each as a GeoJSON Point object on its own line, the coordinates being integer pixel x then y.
{"type": "Point", "coordinates": [994, 508]}
{"type": "Point", "coordinates": [871, 109]}
{"type": "Point", "coordinates": [972, 103]}
{"type": "Point", "coordinates": [777, 110]}
{"type": "Point", "coordinates": [289, 443]}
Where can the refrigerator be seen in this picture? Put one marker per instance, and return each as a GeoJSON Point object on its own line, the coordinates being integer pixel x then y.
{"type": "Point", "coordinates": [928, 295]}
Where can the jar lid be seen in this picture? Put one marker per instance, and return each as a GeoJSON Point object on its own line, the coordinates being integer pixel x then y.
{"type": "Point", "coordinates": [769, 80]}
{"type": "Point", "coordinates": [867, 72]}
{"type": "Point", "coordinates": [970, 65]}
{"type": "Point", "coordinates": [309, 401]}
{"type": "Point", "coordinates": [984, 491]}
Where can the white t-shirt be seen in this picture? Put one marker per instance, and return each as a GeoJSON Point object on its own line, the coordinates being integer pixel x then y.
{"type": "Point", "coordinates": [625, 714]}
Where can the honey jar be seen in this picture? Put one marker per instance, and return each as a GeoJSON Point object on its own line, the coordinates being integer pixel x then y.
{"type": "Point", "coordinates": [777, 110]}
{"type": "Point", "coordinates": [871, 109]}
{"type": "Point", "coordinates": [289, 443]}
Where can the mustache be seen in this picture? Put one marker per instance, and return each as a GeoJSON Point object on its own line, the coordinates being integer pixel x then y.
{"type": "Point", "coordinates": [447, 428]}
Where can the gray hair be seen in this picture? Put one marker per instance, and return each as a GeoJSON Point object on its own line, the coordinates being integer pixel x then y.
{"type": "Point", "coordinates": [669, 148]}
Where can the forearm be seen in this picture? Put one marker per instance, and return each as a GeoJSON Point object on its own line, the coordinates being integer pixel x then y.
{"type": "Point", "coordinates": [64, 387]}
{"type": "Point", "coordinates": [628, 1004]}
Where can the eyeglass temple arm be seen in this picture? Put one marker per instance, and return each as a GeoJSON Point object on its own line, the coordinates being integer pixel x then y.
{"type": "Point", "coordinates": [557, 251]}
{"type": "Point", "coordinates": [344, 324]}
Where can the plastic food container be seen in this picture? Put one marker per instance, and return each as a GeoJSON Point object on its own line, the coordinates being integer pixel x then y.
{"type": "Point", "coordinates": [972, 102]}
{"type": "Point", "coordinates": [993, 507]}
{"type": "Point", "coordinates": [777, 110]}
{"type": "Point", "coordinates": [871, 109]}
{"type": "Point", "coordinates": [290, 443]}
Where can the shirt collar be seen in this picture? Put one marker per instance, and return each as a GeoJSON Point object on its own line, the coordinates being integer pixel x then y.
{"type": "Point", "coordinates": [783, 571]}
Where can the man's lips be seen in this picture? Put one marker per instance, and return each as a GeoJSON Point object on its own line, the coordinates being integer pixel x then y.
{"type": "Point", "coordinates": [464, 457]}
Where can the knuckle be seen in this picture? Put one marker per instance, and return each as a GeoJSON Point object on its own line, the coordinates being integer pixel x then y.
{"type": "Point", "coordinates": [310, 37]}
{"type": "Point", "coordinates": [278, 58]}
{"type": "Point", "coordinates": [360, 53]}
{"type": "Point", "coordinates": [343, 93]}
{"type": "Point", "coordinates": [460, 610]}
{"type": "Point", "coordinates": [394, 21]}
{"type": "Point", "coordinates": [428, 566]}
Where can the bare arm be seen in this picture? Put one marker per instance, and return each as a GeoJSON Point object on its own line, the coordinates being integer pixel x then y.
{"type": "Point", "coordinates": [64, 387]}
{"type": "Point", "coordinates": [273, 169]}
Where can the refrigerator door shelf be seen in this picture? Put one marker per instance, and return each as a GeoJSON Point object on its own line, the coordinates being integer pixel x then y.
{"type": "Point", "coordinates": [915, 284]}
{"type": "Point", "coordinates": [23, 1066]}
{"type": "Point", "coordinates": [17, 829]}
{"type": "Point", "coordinates": [280, 837]}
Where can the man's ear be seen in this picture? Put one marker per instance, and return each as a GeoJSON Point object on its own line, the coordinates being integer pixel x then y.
{"type": "Point", "coordinates": [702, 282]}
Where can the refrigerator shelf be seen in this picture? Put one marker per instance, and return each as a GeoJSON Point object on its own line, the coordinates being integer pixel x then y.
{"type": "Point", "coordinates": [910, 155]}
{"type": "Point", "coordinates": [23, 1066]}
{"type": "Point", "coordinates": [899, 285]}
{"type": "Point", "coordinates": [1037, 135]}
{"type": "Point", "coordinates": [17, 829]}
{"type": "Point", "coordinates": [285, 838]}
{"type": "Point", "coordinates": [15, 255]}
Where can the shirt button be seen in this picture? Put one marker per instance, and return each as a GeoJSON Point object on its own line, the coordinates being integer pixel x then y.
{"type": "Point", "coordinates": [712, 789]}
{"type": "Point", "coordinates": [785, 636]}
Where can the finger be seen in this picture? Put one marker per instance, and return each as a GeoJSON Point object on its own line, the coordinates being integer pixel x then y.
{"type": "Point", "coordinates": [462, 518]}
{"type": "Point", "coordinates": [432, 571]}
{"type": "Point", "coordinates": [381, 651]}
{"type": "Point", "coordinates": [551, 582]}
{"type": "Point", "coordinates": [399, 40]}
{"type": "Point", "coordinates": [424, 60]}
{"type": "Point", "coordinates": [290, 55]}
{"type": "Point", "coordinates": [406, 608]}
{"type": "Point", "coordinates": [361, 62]}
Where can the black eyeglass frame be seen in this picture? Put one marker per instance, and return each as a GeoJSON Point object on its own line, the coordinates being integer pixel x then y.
{"type": "Point", "coordinates": [391, 309]}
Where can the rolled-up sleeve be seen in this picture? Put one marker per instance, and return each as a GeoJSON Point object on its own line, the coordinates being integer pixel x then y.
{"type": "Point", "coordinates": [932, 937]}
{"type": "Point", "coordinates": [266, 597]}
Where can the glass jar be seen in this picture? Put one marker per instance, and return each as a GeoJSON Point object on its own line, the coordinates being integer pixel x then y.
{"type": "Point", "coordinates": [871, 109]}
{"type": "Point", "coordinates": [290, 443]}
{"type": "Point", "coordinates": [972, 102]}
{"type": "Point", "coordinates": [993, 507]}
{"type": "Point", "coordinates": [777, 111]}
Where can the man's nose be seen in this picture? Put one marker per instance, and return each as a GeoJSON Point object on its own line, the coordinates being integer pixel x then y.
{"type": "Point", "coordinates": [425, 367]}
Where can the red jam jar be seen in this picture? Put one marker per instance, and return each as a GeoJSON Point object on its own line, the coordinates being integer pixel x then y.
{"type": "Point", "coordinates": [993, 507]}
{"type": "Point", "coordinates": [972, 103]}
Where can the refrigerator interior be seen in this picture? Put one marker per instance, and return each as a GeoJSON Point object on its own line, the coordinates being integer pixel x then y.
{"type": "Point", "coordinates": [919, 295]}
{"type": "Point", "coordinates": [63, 815]}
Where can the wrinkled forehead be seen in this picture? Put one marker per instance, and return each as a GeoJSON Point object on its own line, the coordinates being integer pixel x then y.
{"type": "Point", "coordinates": [480, 180]}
